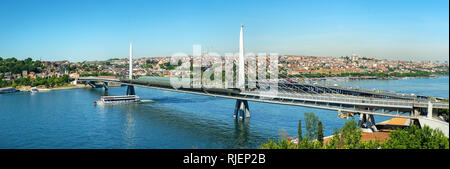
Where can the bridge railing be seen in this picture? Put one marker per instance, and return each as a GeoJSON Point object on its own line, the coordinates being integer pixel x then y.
{"type": "Point", "coordinates": [331, 99]}
{"type": "Point", "coordinates": [348, 100]}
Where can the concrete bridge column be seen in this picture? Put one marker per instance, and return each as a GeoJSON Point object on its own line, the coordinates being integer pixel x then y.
{"type": "Point", "coordinates": [367, 122]}
{"type": "Point", "coordinates": [130, 90]}
{"type": "Point", "coordinates": [241, 109]}
{"type": "Point", "coordinates": [430, 110]}
{"type": "Point", "coordinates": [362, 119]}
{"type": "Point", "coordinates": [416, 112]}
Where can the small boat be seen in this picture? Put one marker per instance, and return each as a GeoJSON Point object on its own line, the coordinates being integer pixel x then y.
{"type": "Point", "coordinates": [117, 99]}
{"type": "Point", "coordinates": [34, 90]}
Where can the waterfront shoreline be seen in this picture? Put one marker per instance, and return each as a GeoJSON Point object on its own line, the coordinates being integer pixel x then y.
{"type": "Point", "coordinates": [64, 88]}
{"type": "Point", "coordinates": [28, 88]}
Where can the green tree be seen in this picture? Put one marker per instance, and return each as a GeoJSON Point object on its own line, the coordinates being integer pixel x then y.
{"type": "Point", "coordinates": [281, 144]}
{"type": "Point", "coordinates": [347, 137]}
{"type": "Point", "coordinates": [311, 126]}
{"type": "Point", "coordinates": [14, 85]}
{"type": "Point", "coordinates": [300, 138]}
{"type": "Point", "coordinates": [415, 138]}
{"type": "Point", "coordinates": [320, 133]}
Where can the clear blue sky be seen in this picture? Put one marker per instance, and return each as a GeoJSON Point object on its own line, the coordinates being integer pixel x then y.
{"type": "Point", "coordinates": [79, 30]}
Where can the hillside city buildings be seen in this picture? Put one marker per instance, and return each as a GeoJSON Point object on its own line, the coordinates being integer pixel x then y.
{"type": "Point", "coordinates": [287, 64]}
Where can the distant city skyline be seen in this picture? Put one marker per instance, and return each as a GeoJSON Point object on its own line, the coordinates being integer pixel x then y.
{"type": "Point", "coordinates": [78, 30]}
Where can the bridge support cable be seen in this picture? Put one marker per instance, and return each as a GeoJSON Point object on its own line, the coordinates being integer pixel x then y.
{"type": "Point", "coordinates": [367, 121]}
{"type": "Point", "coordinates": [130, 90]}
{"type": "Point", "coordinates": [241, 109]}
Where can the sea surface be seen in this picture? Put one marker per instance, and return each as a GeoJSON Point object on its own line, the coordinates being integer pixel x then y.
{"type": "Point", "coordinates": [70, 119]}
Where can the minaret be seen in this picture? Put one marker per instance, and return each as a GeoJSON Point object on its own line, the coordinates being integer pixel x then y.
{"type": "Point", "coordinates": [241, 74]}
{"type": "Point", "coordinates": [130, 73]}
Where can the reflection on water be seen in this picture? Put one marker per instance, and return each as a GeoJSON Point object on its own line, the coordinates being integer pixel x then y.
{"type": "Point", "coordinates": [241, 132]}
{"type": "Point", "coordinates": [188, 130]}
{"type": "Point", "coordinates": [129, 128]}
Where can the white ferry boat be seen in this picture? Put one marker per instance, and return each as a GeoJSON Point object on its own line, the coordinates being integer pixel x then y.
{"type": "Point", "coordinates": [118, 99]}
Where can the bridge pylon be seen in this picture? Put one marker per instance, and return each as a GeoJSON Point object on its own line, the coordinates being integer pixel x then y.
{"type": "Point", "coordinates": [241, 109]}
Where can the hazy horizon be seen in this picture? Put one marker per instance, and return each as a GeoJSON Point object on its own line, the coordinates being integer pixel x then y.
{"type": "Point", "coordinates": [91, 30]}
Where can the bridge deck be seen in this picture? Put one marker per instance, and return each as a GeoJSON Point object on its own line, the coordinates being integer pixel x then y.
{"type": "Point", "coordinates": [347, 103]}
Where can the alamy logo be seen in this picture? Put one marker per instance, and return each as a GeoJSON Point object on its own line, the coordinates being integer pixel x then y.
{"type": "Point", "coordinates": [230, 71]}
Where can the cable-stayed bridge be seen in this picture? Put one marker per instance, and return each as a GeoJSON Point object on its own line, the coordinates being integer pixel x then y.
{"type": "Point", "coordinates": [346, 101]}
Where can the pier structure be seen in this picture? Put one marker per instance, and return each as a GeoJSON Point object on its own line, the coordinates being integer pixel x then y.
{"type": "Point", "coordinates": [241, 109]}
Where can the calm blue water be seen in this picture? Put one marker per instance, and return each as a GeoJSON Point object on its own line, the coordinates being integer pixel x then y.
{"type": "Point", "coordinates": [69, 118]}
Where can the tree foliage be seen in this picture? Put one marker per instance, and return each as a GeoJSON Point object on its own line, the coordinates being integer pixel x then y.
{"type": "Point", "coordinates": [300, 136]}
{"type": "Point", "coordinates": [320, 133]}
{"type": "Point", "coordinates": [349, 137]}
{"type": "Point", "coordinates": [17, 66]}
{"type": "Point", "coordinates": [48, 82]}
{"type": "Point", "coordinates": [312, 122]}
{"type": "Point", "coordinates": [415, 138]}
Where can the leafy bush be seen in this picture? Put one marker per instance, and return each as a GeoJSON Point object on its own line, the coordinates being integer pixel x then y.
{"type": "Point", "coordinates": [369, 144]}
{"type": "Point", "coordinates": [415, 138]}
{"type": "Point", "coordinates": [347, 137]}
{"type": "Point", "coordinates": [281, 144]}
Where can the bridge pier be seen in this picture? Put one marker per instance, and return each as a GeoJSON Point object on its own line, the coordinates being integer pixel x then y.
{"type": "Point", "coordinates": [430, 110]}
{"type": "Point", "coordinates": [105, 86]}
{"type": "Point", "coordinates": [367, 121]}
{"type": "Point", "coordinates": [130, 90]}
{"type": "Point", "coordinates": [415, 112]}
{"type": "Point", "coordinates": [241, 109]}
